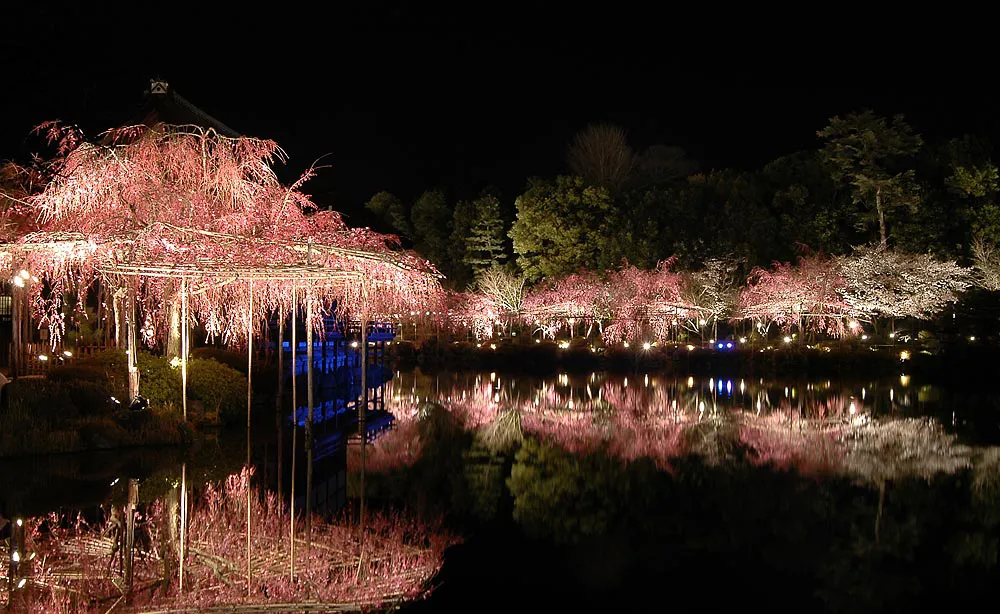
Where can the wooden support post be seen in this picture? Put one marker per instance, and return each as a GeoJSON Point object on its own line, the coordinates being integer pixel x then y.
{"type": "Point", "coordinates": [361, 420]}
{"type": "Point", "coordinates": [17, 554]}
{"type": "Point", "coordinates": [183, 536]}
{"type": "Point", "coordinates": [133, 501]}
{"type": "Point", "coordinates": [184, 348]}
{"type": "Point", "coordinates": [130, 325]}
{"type": "Point", "coordinates": [309, 416]}
{"type": "Point", "coordinates": [249, 403]}
{"type": "Point", "coordinates": [278, 398]}
{"type": "Point", "coordinates": [295, 429]}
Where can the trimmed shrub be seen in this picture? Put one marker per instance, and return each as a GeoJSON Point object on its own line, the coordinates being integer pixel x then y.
{"type": "Point", "coordinates": [230, 358]}
{"type": "Point", "coordinates": [219, 388]}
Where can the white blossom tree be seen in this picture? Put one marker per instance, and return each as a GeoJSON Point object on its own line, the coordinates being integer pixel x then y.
{"type": "Point", "coordinates": [882, 282]}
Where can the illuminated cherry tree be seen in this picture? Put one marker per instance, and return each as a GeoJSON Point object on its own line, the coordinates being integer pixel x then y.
{"type": "Point", "coordinates": [645, 302]}
{"type": "Point", "coordinates": [987, 260]}
{"type": "Point", "coordinates": [496, 300]}
{"type": "Point", "coordinates": [149, 211]}
{"type": "Point", "coordinates": [560, 302]}
{"type": "Point", "coordinates": [713, 289]}
{"type": "Point", "coordinates": [805, 296]}
{"type": "Point", "coordinates": [882, 282]}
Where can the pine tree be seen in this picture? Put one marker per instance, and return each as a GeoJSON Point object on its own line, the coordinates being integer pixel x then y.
{"type": "Point", "coordinates": [484, 246]}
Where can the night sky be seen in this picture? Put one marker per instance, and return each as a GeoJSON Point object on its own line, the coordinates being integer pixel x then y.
{"type": "Point", "coordinates": [405, 99]}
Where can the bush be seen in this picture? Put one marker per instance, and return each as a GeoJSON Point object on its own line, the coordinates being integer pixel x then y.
{"type": "Point", "coordinates": [230, 358]}
{"type": "Point", "coordinates": [219, 388]}
{"type": "Point", "coordinates": [38, 401]}
{"type": "Point", "coordinates": [159, 382]}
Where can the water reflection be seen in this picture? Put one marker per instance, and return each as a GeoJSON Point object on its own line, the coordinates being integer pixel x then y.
{"type": "Point", "coordinates": [812, 425]}
{"type": "Point", "coordinates": [853, 494]}
{"type": "Point", "coordinates": [150, 547]}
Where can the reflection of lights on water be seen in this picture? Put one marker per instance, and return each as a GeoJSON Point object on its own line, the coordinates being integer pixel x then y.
{"type": "Point", "coordinates": [571, 403]}
{"type": "Point", "coordinates": [674, 404]}
{"type": "Point", "coordinates": [701, 406]}
{"type": "Point", "coordinates": [904, 380]}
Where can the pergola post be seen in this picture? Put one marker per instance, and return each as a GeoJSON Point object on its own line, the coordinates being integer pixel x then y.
{"type": "Point", "coordinates": [364, 435]}
{"type": "Point", "coordinates": [295, 428]}
{"type": "Point", "coordinates": [130, 325]}
{"type": "Point", "coordinates": [184, 348]}
{"type": "Point", "coordinates": [249, 403]}
{"type": "Point", "coordinates": [309, 415]}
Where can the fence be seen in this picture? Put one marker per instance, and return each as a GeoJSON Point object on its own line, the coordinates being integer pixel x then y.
{"type": "Point", "coordinates": [37, 357]}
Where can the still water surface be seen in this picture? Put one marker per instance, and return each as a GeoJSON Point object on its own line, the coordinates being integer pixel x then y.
{"type": "Point", "coordinates": [606, 491]}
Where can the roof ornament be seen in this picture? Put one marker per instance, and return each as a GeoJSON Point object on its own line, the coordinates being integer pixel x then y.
{"type": "Point", "coordinates": [157, 87]}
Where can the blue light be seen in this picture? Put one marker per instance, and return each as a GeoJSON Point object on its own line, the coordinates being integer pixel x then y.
{"type": "Point", "coordinates": [720, 346]}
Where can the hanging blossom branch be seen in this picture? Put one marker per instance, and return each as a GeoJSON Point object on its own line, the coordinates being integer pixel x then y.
{"type": "Point", "coordinates": [170, 201]}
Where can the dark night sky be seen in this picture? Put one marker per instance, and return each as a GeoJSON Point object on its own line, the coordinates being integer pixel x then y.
{"type": "Point", "coordinates": [406, 99]}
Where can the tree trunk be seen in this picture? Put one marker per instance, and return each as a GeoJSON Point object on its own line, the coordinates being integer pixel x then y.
{"type": "Point", "coordinates": [881, 217]}
{"type": "Point", "coordinates": [174, 328]}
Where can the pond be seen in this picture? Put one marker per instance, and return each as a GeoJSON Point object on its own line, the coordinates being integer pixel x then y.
{"type": "Point", "coordinates": [589, 491]}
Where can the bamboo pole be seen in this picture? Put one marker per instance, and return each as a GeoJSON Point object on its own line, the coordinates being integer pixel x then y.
{"type": "Point", "coordinates": [184, 348]}
{"type": "Point", "coordinates": [295, 428]}
{"type": "Point", "coordinates": [249, 402]}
